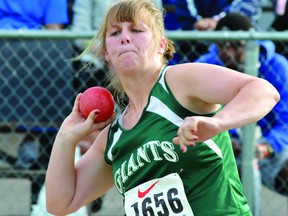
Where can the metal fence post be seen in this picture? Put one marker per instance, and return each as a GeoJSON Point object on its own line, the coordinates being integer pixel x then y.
{"type": "Point", "coordinates": [250, 172]}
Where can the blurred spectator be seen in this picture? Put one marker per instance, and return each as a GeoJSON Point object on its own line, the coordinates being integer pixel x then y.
{"type": "Point", "coordinates": [87, 16]}
{"type": "Point", "coordinates": [171, 24]}
{"type": "Point", "coordinates": [70, 5]}
{"type": "Point", "coordinates": [33, 14]}
{"type": "Point", "coordinates": [170, 20]}
{"type": "Point", "coordinates": [30, 14]}
{"type": "Point", "coordinates": [272, 148]}
{"type": "Point", "coordinates": [204, 14]}
{"type": "Point", "coordinates": [280, 23]}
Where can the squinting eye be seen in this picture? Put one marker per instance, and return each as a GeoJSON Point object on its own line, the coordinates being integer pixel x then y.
{"type": "Point", "coordinates": [136, 30]}
{"type": "Point", "coordinates": [114, 33]}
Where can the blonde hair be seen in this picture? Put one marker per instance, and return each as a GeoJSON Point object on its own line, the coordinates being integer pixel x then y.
{"type": "Point", "coordinates": [131, 11]}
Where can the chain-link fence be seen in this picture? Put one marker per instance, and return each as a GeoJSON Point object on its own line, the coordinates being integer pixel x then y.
{"type": "Point", "coordinates": [39, 81]}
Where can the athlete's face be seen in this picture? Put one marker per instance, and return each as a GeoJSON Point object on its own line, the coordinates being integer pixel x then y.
{"type": "Point", "coordinates": [129, 45]}
{"type": "Point", "coordinates": [232, 54]}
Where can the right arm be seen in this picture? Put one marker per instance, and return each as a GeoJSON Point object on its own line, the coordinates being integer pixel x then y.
{"type": "Point", "coordinates": [70, 186]}
{"type": "Point", "coordinates": [204, 87]}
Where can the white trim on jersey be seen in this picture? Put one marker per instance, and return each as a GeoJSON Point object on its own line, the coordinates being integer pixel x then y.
{"type": "Point", "coordinates": [158, 107]}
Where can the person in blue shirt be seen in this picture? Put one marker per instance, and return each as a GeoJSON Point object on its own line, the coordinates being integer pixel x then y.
{"type": "Point", "coordinates": [33, 14]}
{"type": "Point", "coordinates": [203, 15]}
{"type": "Point", "coordinates": [273, 67]}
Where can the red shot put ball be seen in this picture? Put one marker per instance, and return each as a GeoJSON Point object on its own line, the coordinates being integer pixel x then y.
{"type": "Point", "coordinates": [97, 98]}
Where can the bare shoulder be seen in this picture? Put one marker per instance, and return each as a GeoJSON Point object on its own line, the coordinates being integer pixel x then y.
{"type": "Point", "coordinates": [186, 74]}
{"type": "Point", "coordinates": [197, 69]}
{"type": "Point", "coordinates": [198, 85]}
{"type": "Point", "coordinates": [186, 81]}
{"type": "Point", "coordinates": [195, 73]}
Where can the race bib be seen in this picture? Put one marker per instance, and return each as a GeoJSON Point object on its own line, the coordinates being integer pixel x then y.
{"type": "Point", "coordinates": [158, 197]}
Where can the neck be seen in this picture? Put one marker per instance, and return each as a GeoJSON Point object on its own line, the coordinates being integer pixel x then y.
{"type": "Point", "coordinates": [139, 89]}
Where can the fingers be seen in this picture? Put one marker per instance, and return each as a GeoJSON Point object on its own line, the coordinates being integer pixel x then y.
{"type": "Point", "coordinates": [177, 140]}
{"type": "Point", "coordinates": [186, 134]}
{"type": "Point", "coordinates": [107, 121]}
{"type": "Point", "coordinates": [91, 120]}
{"type": "Point", "coordinates": [76, 103]}
{"type": "Point", "coordinates": [183, 147]}
{"type": "Point", "coordinates": [92, 116]}
{"type": "Point", "coordinates": [99, 125]}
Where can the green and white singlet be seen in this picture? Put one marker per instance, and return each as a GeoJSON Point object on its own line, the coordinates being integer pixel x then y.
{"type": "Point", "coordinates": [156, 178]}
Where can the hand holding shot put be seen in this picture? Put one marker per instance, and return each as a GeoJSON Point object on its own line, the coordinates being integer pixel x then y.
{"type": "Point", "coordinates": [169, 108]}
{"type": "Point", "coordinates": [99, 101]}
{"type": "Point", "coordinates": [78, 126]}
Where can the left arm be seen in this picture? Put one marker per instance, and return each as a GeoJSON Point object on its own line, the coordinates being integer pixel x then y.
{"type": "Point", "coordinates": [203, 87]}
